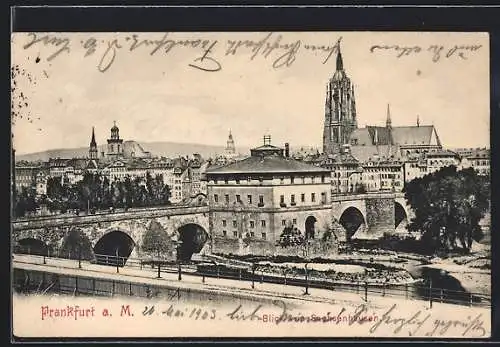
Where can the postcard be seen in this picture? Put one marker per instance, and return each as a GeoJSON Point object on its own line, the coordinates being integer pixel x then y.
{"type": "Point", "coordinates": [250, 184]}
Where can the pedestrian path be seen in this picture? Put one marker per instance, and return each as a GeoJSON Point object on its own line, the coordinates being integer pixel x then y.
{"type": "Point", "coordinates": [235, 288]}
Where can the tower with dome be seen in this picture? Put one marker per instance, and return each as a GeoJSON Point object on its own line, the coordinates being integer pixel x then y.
{"type": "Point", "coordinates": [115, 144]}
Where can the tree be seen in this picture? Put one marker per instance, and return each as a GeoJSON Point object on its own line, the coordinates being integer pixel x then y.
{"type": "Point", "coordinates": [290, 236]}
{"type": "Point", "coordinates": [448, 205]}
{"type": "Point", "coordinates": [76, 245]}
{"type": "Point", "coordinates": [156, 240]}
{"type": "Point", "coordinates": [25, 202]}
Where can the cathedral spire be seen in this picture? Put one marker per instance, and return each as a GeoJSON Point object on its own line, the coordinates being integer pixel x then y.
{"type": "Point", "coordinates": [92, 141]}
{"type": "Point", "coordinates": [93, 146]}
{"type": "Point", "coordinates": [388, 122]}
{"type": "Point", "coordinates": [340, 63]}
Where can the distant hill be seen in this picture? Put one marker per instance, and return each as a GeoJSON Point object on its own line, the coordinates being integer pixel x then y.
{"type": "Point", "coordinates": [166, 149]}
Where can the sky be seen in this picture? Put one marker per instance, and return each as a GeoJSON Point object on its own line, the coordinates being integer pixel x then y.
{"type": "Point", "coordinates": [158, 91]}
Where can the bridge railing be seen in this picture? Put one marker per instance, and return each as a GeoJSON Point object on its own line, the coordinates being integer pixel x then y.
{"type": "Point", "coordinates": [366, 290]}
{"type": "Point", "coordinates": [84, 213]}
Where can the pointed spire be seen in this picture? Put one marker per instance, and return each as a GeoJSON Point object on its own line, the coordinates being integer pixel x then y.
{"type": "Point", "coordinates": [418, 120]}
{"type": "Point", "coordinates": [340, 63]}
{"type": "Point", "coordinates": [388, 122]}
{"type": "Point", "coordinates": [92, 141]}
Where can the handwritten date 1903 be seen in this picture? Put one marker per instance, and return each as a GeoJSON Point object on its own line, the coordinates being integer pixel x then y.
{"type": "Point", "coordinates": [172, 311]}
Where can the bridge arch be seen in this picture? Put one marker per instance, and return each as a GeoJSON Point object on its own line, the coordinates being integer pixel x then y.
{"type": "Point", "coordinates": [113, 243]}
{"type": "Point", "coordinates": [192, 238]}
{"type": "Point", "coordinates": [400, 214]}
{"type": "Point", "coordinates": [351, 219]}
{"type": "Point", "coordinates": [310, 227]}
{"type": "Point", "coordinates": [31, 245]}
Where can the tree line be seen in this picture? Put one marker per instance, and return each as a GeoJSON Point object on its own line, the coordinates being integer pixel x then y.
{"type": "Point", "coordinates": [95, 192]}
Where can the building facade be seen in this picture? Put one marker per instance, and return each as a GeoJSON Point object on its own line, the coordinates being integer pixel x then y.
{"type": "Point", "coordinates": [251, 201]}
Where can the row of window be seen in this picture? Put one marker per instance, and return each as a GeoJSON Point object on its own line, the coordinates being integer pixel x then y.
{"type": "Point", "coordinates": [251, 223]}
{"type": "Point", "coordinates": [480, 162]}
{"type": "Point", "coordinates": [261, 198]}
{"type": "Point", "coordinates": [251, 234]}
{"type": "Point", "coordinates": [282, 180]}
{"type": "Point", "coordinates": [302, 198]}
{"type": "Point", "coordinates": [238, 199]}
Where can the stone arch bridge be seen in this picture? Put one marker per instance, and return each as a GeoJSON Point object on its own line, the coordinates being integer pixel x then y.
{"type": "Point", "coordinates": [366, 216]}
{"type": "Point", "coordinates": [371, 215]}
{"type": "Point", "coordinates": [115, 233]}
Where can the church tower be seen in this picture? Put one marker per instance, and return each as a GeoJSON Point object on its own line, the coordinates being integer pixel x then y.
{"type": "Point", "coordinates": [115, 144]}
{"type": "Point", "coordinates": [93, 146]}
{"type": "Point", "coordinates": [340, 110]}
{"type": "Point", "coordinates": [230, 149]}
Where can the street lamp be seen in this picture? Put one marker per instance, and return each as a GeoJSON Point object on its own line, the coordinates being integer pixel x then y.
{"type": "Point", "coordinates": [306, 244]}
{"type": "Point", "coordinates": [159, 265]}
{"type": "Point", "coordinates": [117, 267]}
{"type": "Point", "coordinates": [307, 280]}
{"type": "Point", "coordinates": [79, 256]}
{"type": "Point", "coordinates": [253, 275]}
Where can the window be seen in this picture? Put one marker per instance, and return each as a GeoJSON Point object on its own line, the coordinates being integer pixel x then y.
{"type": "Point", "coordinates": [224, 223]}
{"type": "Point", "coordinates": [237, 181]}
{"type": "Point", "coordinates": [249, 199]}
{"type": "Point", "coordinates": [282, 199]}
{"type": "Point", "coordinates": [323, 197]}
{"type": "Point", "coordinates": [302, 197]}
{"type": "Point", "coordinates": [292, 199]}
{"type": "Point", "coordinates": [313, 197]}
{"type": "Point", "coordinates": [249, 179]}
{"type": "Point", "coordinates": [252, 224]}
{"type": "Point", "coordinates": [252, 234]}
{"type": "Point", "coordinates": [235, 233]}
{"type": "Point", "coordinates": [322, 179]}
{"type": "Point", "coordinates": [294, 221]}
{"type": "Point", "coordinates": [216, 198]}
{"type": "Point", "coordinates": [303, 180]}
{"type": "Point", "coordinates": [263, 236]}
{"type": "Point", "coordinates": [263, 223]}
{"type": "Point", "coordinates": [226, 181]}
{"type": "Point", "coordinates": [238, 198]}
{"type": "Point", "coordinates": [282, 180]}
{"type": "Point", "coordinates": [235, 224]}
{"type": "Point", "coordinates": [226, 197]}
{"type": "Point", "coordinates": [283, 222]}
{"type": "Point", "coordinates": [292, 179]}
{"type": "Point", "coordinates": [224, 233]}
{"type": "Point", "coordinates": [261, 200]}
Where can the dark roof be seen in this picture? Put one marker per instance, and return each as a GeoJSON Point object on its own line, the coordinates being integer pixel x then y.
{"type": "Point", "coordinates": [272, 164]}
{"type": "Point", "coordinates": [340, 158]}
{"type": "Point", "coordinates": [400, 135]}
{"type": "Point", "coordinates": [442, 153]}
{"type": "Point", "coordinates": [366, 153]}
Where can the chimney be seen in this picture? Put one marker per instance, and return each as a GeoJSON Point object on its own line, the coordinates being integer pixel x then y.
{"type": "Point", "coordinates": [287, 150]}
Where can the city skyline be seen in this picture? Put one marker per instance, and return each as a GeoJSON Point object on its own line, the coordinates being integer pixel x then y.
{"type": "Point", "coordinates": [249, 96]}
